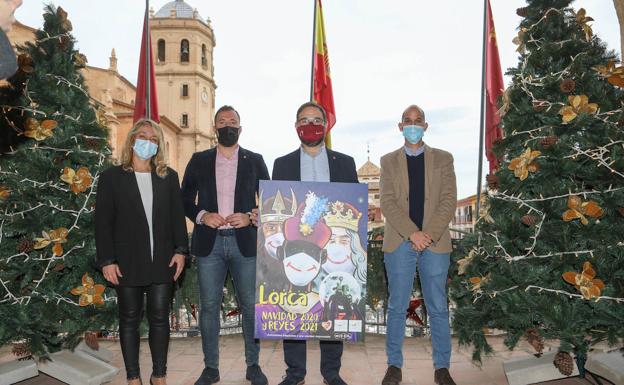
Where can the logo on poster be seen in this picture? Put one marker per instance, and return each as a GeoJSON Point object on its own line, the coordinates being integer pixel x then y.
{"type": "Point", "coordinates": [282, 298]}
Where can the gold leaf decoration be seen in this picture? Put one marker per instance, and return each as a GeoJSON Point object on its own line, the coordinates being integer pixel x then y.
{"type": "Point", "coordinates": [89, 292]}
{"type": "Point", "coordinates": [39, 130]}
{"type": "Point", "coordinates": [582, 19]}
{"type": "Point", "coordinates": [56, 236]}
{"type": "Point", "coordinates": [525, 163]}
{"type": "Point", "coordinates": [585, 281]}
{"type": "Point", "coordinates": [577, 209]}
{"type": "Point", "coordinates": [79, 180]}
{"type": "Point", "coordinates": [579, 104]}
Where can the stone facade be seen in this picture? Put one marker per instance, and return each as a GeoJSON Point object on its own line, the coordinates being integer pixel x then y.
{"type": "Point", "coordinates": [183, 45]}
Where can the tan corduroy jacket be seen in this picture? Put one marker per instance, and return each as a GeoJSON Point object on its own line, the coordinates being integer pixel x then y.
{"type": "Point", "coordinates": [440, 199]}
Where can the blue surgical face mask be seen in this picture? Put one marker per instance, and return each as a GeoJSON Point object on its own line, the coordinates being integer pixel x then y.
{"type": "Point", "coordinates": [413, 133]}
{"type": "Point", "coordinates": [145, 149]}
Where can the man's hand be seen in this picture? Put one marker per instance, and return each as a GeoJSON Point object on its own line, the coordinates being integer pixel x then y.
{"type": "Point", "coordinates": [238, 220]}
{"type": "Point", "coordinates": [420, 240]}
{"type": "Point", "coordinates": [178, 260]}
{"type": "Point", "coordinates": [254, 217]}
{"type": "Point", "coordinates": [112, 273]}
{"type": "Point", "coordinates": [213, 220]}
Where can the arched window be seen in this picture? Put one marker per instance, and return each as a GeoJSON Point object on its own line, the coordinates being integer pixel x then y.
{"type": "Point", "coordinates": [161, 51]}
{"type": "Point", "coordinates": [204, 60]}
{"type": "Point", "coordinates": [184, 51]}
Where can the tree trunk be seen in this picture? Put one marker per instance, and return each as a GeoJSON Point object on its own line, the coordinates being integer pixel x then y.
{"type": "Point", "coordinates": [619, 9]}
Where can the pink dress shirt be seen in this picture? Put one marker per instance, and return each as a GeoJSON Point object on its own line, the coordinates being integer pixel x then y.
{"type": "Point", "coordinates": [225, 174]}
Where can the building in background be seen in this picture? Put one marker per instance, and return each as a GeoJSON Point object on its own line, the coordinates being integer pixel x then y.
{"type": "Point", "coordinates": [183, 45]}
{"type": "Point", "coordinates": [465, 217]}
{"type": "Point", "coordinates": [370, 174]}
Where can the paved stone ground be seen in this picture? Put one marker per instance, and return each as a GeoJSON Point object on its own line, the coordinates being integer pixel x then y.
{"type": "Point", "coordinates": [363, 364]}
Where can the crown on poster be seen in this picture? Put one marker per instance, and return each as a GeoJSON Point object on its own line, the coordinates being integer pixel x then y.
{"type": "Point", "coordinates": [277, 209]}
{"type": "Point", "coordinates": [343, 215]}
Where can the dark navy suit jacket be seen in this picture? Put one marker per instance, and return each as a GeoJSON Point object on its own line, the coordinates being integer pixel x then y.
{"type": "Point", "coordinates": [199, 192]}
{"type": "Point", "coordinates": [341, 167]}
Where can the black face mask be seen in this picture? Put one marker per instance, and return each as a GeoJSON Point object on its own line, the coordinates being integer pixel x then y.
{"type": "Point", "coordinates": [228, 136]}
{"type": "Point", "coordinates": [8, 62]}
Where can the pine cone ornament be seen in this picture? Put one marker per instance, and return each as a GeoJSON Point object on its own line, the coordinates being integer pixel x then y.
{"type": "Point", "coordinates": [529, 220]}
{"type": "Point", "coordinates": [492, 181]}
{"type": "Point", "coordinates": [548, 141]}
{"type": "Point", "coordinates": [565, 363]}
{"type": "Point", "coordinates": [540, 105]}
{"type": "Point", "coordinates": [91, 340]}
{"type": "Point", "coordinates": [64, 42]}
{"type": "Point", "coordinates": [5, 193]}
{"type": "Point", "coordinates": [92, 143]}
{"type": "Point", "coordinates": [567, 86]}
{"type": "Point", "coordinates": [80, 60]}
{"type": "Point", "coordinates": [551, 13]}
{"type": "Point", "coordinates": [535, 339]}
{"type": "Point", "coordinates": [58, 267]}
{"type": "Point", "coordinates": [25, 245]}
{"type": "Point", "coordinates": [21, 350]}
{"type": "Point", "coordinates": [25, 63]}
{"type": "Point", "coordinates": [522, 12]}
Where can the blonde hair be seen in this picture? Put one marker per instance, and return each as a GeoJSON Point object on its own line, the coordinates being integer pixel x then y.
{"type": "Point", "coordinates": [158, 161]}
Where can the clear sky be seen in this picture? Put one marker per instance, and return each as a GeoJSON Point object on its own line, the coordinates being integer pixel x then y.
{"type": "Point", "coordinates": [384, 56]}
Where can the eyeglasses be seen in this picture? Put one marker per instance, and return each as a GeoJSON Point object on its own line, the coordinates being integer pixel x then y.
{"type": "Point", "coordinates": [317, 121]}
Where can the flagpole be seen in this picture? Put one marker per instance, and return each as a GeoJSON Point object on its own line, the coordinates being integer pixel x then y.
{"type": "Point", "coordinates": [313, 53]}
{"type": "Point", "coordinates": [148, 75]}
{"type": "Point", "coordinates": [481, 122]}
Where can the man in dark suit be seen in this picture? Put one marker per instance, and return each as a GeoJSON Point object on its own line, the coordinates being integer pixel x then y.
{"type": "Point", "coordinates": [313, 162]}
{"type": "Point", "coordinates": [219, 191]}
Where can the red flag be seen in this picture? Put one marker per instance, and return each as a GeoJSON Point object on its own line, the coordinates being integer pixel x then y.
{"type": "Point", "coordinates": [146, 79]}
{"type": "Point", "coordinates": [321, 80]}
{"type": "Point", "coordinates": [494, 88]}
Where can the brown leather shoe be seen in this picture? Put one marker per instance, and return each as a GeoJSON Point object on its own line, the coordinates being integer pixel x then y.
{"type": "Point", "coordinates": [443, 377]}
{"type": "Point", "coordinates": [393, 376]}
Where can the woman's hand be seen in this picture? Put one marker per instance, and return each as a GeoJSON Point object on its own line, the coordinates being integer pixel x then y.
{"type": "Point", "coordinates": [178, 260]}
{"type": "Point", "coordinates": [111, 273]}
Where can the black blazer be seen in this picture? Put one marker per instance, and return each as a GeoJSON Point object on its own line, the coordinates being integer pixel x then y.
{"type": "Point", "coordinates": [199, 185]}
{"type": "Point", "coordinates": [122, 231]}
{"type": "Point", "coordinates": [341, 167]}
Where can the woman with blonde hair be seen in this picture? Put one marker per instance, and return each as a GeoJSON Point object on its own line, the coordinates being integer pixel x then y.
{"type": "Point", "coordinates": [141, 242]}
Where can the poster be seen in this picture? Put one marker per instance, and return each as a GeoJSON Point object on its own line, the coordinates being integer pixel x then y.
{"type": "Point", "coordinates": [311, 267]}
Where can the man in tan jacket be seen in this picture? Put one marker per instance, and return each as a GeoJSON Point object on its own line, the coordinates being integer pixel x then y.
{"type": "Point", "coordinates": [418, 200]}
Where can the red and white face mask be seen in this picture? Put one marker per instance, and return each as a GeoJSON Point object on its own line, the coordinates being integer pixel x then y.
{"type": "Point", "coordinates": [311, 134]}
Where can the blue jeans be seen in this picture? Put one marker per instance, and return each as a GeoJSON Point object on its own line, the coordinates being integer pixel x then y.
{"type": "Point", "coordinates": [433, 272]}
{"type": "Point", "coordinates": [212, 271]}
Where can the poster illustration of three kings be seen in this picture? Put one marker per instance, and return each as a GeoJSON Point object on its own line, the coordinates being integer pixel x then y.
{"type": "Point", "coordinates": [311, 268]}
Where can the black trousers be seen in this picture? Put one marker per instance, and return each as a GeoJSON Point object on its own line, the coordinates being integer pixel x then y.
{"type": "Point", "coordinates": [130, 301]}
{"type": "Point", "coordinates": [295, 358]}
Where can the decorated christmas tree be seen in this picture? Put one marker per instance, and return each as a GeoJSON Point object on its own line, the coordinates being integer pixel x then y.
{"type": "Point", "coordinates": [547, 257]}
{"type": "Point", "coordinates": [50, 293]}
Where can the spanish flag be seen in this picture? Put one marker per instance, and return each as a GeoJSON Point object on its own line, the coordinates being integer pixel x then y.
{"type": "Point", "coordinates": [321, 79]}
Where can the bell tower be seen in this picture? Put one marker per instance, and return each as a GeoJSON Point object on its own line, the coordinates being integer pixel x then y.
{"type": "Point", "coordinates": [183, 45]}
